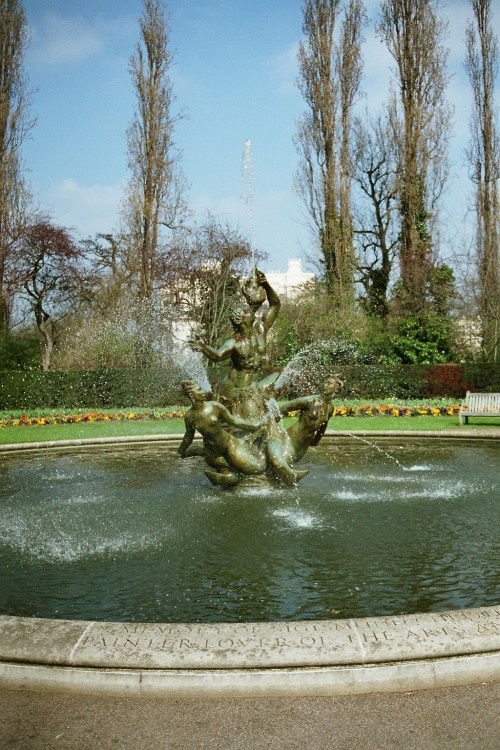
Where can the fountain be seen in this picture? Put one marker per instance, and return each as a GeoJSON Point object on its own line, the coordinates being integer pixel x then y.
{"type": "Point", "coordinates": [127, 571]}
{"type": "Point", "coordinates": [257, 444]}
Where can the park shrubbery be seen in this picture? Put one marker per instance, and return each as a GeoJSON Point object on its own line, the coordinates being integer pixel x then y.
{"type": "Point", "coordinates": [32, 389]}
{"type": "Point", "coordinates": [367, 378]}
{"type": "Point", "coordinates": [418, 381]}
{"type": "Point", "coordinates": [156, 387]}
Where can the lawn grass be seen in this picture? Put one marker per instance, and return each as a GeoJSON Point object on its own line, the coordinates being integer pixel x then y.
{"type": "Point", "coordinates": [131, 428]}
{"type": "Point", "coordinates": [87, 430]}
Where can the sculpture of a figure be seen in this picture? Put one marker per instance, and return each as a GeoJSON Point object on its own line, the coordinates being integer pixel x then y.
{"type": "Point", "coordinates": [242, 404]}
{"type": "Point", "coordinates": [315, 411]}
{"type": "Point", "coordinates": [228, 454]}
{"type": "Point", "coordinates": [279, 450]}
{"type": "Point", "coordinates": [286, 447]}
{"type": "Point", "coordinates": [247, 348]}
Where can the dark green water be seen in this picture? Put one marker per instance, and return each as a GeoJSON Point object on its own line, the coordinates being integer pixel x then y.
{"type": "Point", "coordinates": [135, 533]}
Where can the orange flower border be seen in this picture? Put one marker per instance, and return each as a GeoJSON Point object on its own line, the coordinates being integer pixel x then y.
{"type": "Point", "coordinates": [368, 410]}
{"type": "Point", "coordinates": [92, 416]}
{"type": "Point", "coordinates": [376, 410]}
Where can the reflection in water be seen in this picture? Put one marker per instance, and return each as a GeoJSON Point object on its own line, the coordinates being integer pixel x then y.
{"type": "Point", "coordinates": [123, 533]}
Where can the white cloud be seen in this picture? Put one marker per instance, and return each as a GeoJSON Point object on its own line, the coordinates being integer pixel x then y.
{"type": "Point", "coordinates": [284, 67]}
{"type": "Point", "coordinates": [61, 40]}
{"type": "Point", "coordinates": [88, 209]}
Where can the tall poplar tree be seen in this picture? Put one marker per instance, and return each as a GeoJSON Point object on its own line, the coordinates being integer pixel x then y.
{"type": "Point", "coordinates": [484, 157]}
{"type": "Point", "coordinates": [155, 189]}
{"type": "Point", "coordinates": [330, 69]}
{"type": "Point", "coordinates": [420, 123]}
{"type": "Point", "coordinates": [14, 127]}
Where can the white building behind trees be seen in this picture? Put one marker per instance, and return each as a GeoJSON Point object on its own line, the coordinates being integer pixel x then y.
{"type": "Point", "coordinates": [289, 283]}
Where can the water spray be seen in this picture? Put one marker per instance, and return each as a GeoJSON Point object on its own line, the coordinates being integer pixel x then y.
{"type": "Point", "coordinates": [248, 175]}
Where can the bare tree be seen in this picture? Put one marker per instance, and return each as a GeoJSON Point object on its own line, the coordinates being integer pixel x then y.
{"type": "Point", "coordinates": [110, 275]}
{"type": "Point", "coordinates": [48, 278]}
{"type": "Point", "coordinates": [420, 124]}
{"type": "Point", "coordinates": [484, 157]}
{"type": "Point", "coordinates": [14, 127]}
{"type": "Point", "coordinates": [202, 276]}
{"type": "Point", "coordinates": [329, 78]}
{"type": "Point", "coordinates": [375, 228]}
{"type": "Point", "coordinates": [154, 197]}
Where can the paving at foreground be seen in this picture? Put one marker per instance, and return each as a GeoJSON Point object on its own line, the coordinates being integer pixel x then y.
{"type": "Point", "coordinates": [454, 718]}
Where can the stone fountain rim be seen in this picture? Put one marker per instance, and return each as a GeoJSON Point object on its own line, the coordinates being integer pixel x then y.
{"type": "Point", "coordinates": [311, 657]}
{"type": "Point", "coordinates": [466, 434]}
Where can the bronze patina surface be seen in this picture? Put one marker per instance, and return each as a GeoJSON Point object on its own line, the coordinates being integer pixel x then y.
{"type": "Point", "coordinates": [241, 427]}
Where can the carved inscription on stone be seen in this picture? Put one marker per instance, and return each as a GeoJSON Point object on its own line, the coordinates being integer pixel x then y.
{"type": "Point", "coordinates": [329, 641]}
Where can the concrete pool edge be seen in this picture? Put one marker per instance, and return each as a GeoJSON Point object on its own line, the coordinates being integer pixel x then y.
{"type": "Point", "coordinates": [463, 433]}
{"type": "Point", "coordinates": [331, 657]}
{"type": "Point", "coordinates": [282, 658]}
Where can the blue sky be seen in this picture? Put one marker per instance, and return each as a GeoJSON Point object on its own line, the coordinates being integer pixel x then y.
{"type": "Point", "coordinates": [234, 72]}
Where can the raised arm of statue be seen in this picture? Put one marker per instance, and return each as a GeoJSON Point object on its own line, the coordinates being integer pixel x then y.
{"type": "Point", "coordinates": [216, 355]}
{"type": "Point", "coordinates": [274, 301]}
{"type": "Point", "coordinates": [296, 404]}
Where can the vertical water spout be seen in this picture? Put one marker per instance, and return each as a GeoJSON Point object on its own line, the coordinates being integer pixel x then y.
{"type": "Point", "coordinates": [248, 175]}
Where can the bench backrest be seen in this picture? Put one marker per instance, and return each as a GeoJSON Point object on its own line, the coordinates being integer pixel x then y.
{"type": "Point", "coordinates": [483, 402]}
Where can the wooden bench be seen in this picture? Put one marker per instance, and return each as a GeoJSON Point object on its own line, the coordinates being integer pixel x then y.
{"type": "Point", "coordinates": [479, 405]}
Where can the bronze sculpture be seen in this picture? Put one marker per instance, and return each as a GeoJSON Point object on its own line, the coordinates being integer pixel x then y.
{"type": "Point", "coordinates": [247, 348]}
{"type": "Point", "coordinates": [228, 454]}
{"type": "Point", "coordinates": [241, 429]}
{"type": "Point", "coordinates": [315, 411]}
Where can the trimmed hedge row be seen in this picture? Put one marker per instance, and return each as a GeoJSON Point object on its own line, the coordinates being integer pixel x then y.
{"type": "Point", "coordinates": [32, 389]}
{"type": "Point", "coordinates": [382, 382]}
{"type": "Point", "coordinates": [419, 381]}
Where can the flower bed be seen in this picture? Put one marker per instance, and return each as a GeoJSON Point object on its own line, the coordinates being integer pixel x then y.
{"type": "Point", "coordinates": [376, 410]}
{"type": "Point", "coordinates": [346, 410]}
{"type": "Point", "coordinates": [93, 416]}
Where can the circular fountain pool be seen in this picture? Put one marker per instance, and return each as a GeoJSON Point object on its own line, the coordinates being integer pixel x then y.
{"type": "Point", "coordinates": [133, 533]}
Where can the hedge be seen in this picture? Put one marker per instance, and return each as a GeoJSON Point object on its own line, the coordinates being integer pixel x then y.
{"type": "Point", "coordinates": [419, 381]}
{"type": "Point", "coordinates": [31, 389]}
